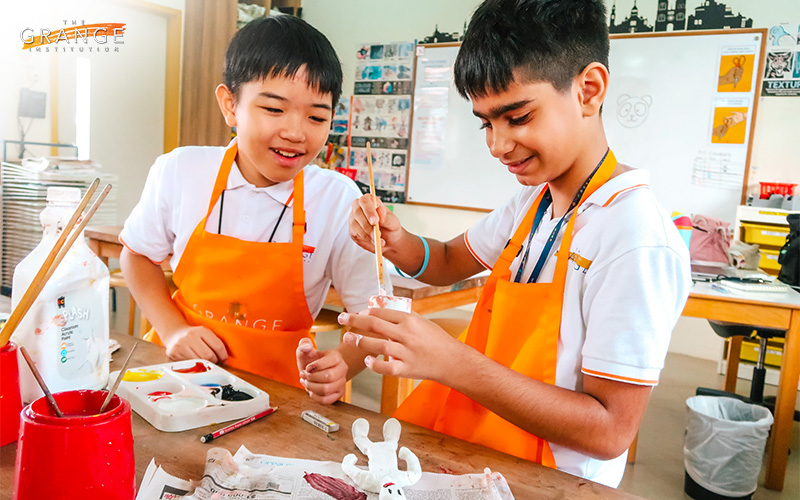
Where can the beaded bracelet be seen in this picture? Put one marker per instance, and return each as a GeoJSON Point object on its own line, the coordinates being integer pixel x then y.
{"type": "Point", "coordinates": [424, 261]}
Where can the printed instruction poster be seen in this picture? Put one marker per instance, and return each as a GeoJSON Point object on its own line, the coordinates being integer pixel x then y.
{"type": "Point", "coordinates": [729, 124]}
{"type": "Point", "coordinates": [736, 69]}
{"type": "Point", "coordinates": [782, 61]}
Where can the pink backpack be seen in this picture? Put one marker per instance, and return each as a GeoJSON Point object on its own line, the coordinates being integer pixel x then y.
{"type": "Point", "coordinates": [711, 239]}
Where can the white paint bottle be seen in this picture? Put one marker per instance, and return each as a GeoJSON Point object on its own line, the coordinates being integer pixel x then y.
{"type": "Point", "coordinates": [66, 329]}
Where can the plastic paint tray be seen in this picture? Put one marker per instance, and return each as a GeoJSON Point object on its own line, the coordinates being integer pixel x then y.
{"type": "Point", "coordinates": [173, 401]}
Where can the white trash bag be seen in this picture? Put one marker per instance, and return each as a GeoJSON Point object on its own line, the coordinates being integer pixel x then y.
{"type": "Point", "coordinates": [724, 446]}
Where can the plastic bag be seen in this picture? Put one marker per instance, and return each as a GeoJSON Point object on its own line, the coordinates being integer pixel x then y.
{"type": "Point", "coordinates": [711, 239]}
{"type": "Point", "coordinates": [724, 446]}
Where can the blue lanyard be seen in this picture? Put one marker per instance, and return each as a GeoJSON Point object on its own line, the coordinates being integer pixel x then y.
{"type": "Point", "coordinates": [547, 200]}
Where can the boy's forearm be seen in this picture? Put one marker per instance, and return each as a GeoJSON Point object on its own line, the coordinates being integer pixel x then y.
{"type": "Point", "coordinates": [448, 262]}
{"type": "Point", "coordinates": [149, 287]}
{"type": "Point", "coordinates": [593, 424]}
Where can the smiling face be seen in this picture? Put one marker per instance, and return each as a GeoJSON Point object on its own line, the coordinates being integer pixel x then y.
{"type": "Point", "coordinates": [281, 124]}
{"type": "Point", "coordinates": [533, 129]}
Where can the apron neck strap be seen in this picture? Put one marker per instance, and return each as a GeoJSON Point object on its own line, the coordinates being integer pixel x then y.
{"type": "Point", "coordinates": [222, 176]}
{"type": "Point", "coordinates": [221, 182]}
{"type": "Point", "coordinates": [604, 171]}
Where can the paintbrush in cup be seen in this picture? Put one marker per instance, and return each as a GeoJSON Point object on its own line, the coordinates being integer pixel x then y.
{"type": "Point", "coordinates": [42, 275]}
{"type": "Point", "coordinates": [40, 380]}
{"type": "Point", "coordinates": [119, 379]}
{"type": "Point", "coordinates": [376, 230]}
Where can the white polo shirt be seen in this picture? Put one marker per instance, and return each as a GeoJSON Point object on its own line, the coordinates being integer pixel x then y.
{"type": "Point", "coordinates": [176, 196]}
{"type": "Point", "coordinates": [627, 283]}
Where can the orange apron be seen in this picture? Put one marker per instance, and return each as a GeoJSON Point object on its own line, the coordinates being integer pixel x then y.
{"type": "Point", "coordinates": [249, 293]}
{"type": "Point", "coordinates": [503, 329]}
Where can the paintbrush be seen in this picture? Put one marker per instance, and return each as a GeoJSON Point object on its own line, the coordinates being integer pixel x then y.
{"type": "Point", "coordinates": [376, 230]}
{"type": "Point", "coordinates": [39, 379]}
{"type": "Point", "coordinates": [45, 271]}
{"type": "Point", "coordinates": [119, 379]}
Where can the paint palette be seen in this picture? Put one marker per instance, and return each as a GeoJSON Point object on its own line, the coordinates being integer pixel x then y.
{"type": "Point", "coordinates": [183, 395]}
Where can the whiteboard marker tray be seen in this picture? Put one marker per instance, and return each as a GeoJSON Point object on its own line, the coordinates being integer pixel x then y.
{"type": "Point", "coordinates": [183, 395]}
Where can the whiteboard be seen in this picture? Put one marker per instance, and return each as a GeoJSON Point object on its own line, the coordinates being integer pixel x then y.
{"type": "Point", "coordinates": [663, 112]}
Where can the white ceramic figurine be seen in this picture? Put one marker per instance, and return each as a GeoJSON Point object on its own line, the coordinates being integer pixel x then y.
{"type": "Point", "coordinates": [382, 476]}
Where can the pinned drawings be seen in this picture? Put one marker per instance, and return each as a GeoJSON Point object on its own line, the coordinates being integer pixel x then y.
{"type": "Point", "coordinates": [782, 62]}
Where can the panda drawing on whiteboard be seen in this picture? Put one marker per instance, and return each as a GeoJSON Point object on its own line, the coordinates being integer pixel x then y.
{"type": "Point", "coordinates": [632, 111]}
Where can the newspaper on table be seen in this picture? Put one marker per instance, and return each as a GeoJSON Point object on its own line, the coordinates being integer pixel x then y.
{"type": "Point", "coordinates": [246, 475]}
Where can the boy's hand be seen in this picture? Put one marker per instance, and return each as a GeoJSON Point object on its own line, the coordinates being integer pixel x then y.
{"type": "Point", "coordinates": [362, 217]}
{"type": "Point", "coordinates": [322, 373]}
{"type": "Point", "coordinates": [193, 342]}
{"type": "Point", "coordinates": [415, 347]}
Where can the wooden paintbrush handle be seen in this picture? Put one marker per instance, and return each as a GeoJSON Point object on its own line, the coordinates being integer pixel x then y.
{"type": "Point", "coordinates": [31, 293]}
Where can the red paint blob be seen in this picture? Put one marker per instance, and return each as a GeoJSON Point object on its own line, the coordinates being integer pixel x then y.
{"type": "Point", "coordinates": [334, 487]}
{"type": "Point", "coordinates": [158, 395]}
{"type": "Point", "coordinates": [198, 367]}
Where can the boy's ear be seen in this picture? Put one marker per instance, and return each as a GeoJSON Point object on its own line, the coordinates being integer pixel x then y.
{"type": "Point", "coordinates": [592, 87]}
{"type": "Point", "coordinates": [227, 104]}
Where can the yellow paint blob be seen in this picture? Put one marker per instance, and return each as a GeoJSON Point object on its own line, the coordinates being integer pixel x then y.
{"type": "Point", "coordinates": [142, 375]}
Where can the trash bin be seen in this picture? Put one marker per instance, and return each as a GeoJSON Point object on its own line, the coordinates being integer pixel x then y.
{"type": "Point", "coordinates": [724, 447]}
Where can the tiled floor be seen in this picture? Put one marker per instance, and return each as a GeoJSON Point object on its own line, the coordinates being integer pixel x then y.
{"type": "Point", "coordinates": [658, 471]}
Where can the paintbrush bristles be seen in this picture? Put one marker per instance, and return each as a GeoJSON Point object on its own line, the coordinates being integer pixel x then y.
{"type": "Point", "coordinates": [44, 271]}
{"type": "Point", "coordinates": [376, 230]}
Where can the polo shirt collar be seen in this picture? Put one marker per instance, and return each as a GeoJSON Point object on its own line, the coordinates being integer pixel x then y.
{"type": "Point", "coordinates": [279, 192]}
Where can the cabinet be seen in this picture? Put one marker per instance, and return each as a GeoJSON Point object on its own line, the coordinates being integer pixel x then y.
{"type": "Point", "coordinates": [209, 26]}
{"type": "Point", "coordinates": [766, 227]}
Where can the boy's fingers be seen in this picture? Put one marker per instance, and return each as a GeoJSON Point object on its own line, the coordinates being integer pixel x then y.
{"type": "Point", "coordinates": [325, 362]}
{"type": "Point", "coordinates": [393, 367]}
{"type": "Point", "coordinates": [216, 345]}
{"type": "Point", "coordinates": [380, 321]}
{"type": "Point", "coordinates": [306, 353]}
{"type": "Point", "coordinates": [368, 207]}
{"type": "Point", "coordinates": [376, 346]}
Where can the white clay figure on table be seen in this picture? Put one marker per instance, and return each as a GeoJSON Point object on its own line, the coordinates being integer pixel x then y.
{"type": "Point", "coordinates": [383, 476]}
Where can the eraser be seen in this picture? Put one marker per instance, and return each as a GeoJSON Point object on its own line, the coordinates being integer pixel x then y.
{"type": "Point", "coordinates": [318, 420]}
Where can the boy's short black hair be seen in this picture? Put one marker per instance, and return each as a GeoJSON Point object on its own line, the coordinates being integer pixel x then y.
{"type": "Point", "coordinates": [276, 46]}
{"type": "Point", "coordinates": [544, 40]}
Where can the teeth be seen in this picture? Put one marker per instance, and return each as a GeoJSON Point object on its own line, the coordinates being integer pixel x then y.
{"type": "Point", "coordinates": [286, 153]}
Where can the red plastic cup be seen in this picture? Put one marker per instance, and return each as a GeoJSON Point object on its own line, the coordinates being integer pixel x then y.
{"type": "Point", "coordinates": [79, 456]}
{"type": "Point", "coordinates": [10, 401]}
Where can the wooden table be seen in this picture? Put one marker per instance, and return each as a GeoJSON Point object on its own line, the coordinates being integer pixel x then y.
{"type": "Point", "coordinates": [285, 434]}
{"type": "Point", "coordinates": [767, 310]}
{"type": "Point", "coordinates": [426, 299]}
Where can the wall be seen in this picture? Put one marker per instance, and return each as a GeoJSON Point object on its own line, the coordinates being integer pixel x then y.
{"type": "Point", "coordinates": [127, 88]}
{"type": "Point", "coordinates": [775, 146]}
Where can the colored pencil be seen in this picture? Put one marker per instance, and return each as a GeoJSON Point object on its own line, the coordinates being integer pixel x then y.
{"type": "Point", "coordinates": [240, 423]}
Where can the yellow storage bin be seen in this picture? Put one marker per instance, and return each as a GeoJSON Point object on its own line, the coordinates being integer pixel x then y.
{"type": "Point", "coordinates": [763, 234]}
{"type": "Point", "coordinates": [774, 352]}
{"type": "Point", "coordinates": [769, 260]}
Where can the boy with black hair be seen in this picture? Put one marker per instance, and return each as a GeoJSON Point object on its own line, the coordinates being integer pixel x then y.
{"type": "Point", "coordinates": [589, 276]}
{"type": "Point", "coordinates": [255, 231]}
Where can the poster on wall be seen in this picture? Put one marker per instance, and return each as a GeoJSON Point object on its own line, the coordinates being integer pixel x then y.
{"type": "Point", "coordinates": [380, 113]}
{"type": "Point", "coordinates": [782, 63]}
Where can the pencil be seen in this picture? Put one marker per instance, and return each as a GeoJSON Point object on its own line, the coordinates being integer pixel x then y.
{"type": "Point", "coordinates": [233, 427]}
